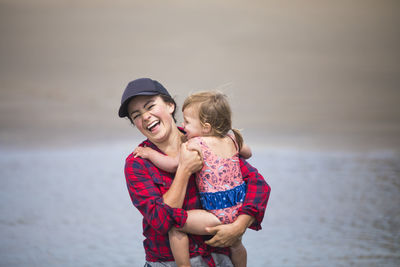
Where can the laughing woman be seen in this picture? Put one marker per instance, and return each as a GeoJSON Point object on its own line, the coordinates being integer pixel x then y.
{"type": "Point", "coordinates": [163, 198]}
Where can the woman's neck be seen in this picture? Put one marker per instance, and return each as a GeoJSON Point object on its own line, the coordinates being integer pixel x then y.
{"type": "Point", "coordinates": [172, 145]}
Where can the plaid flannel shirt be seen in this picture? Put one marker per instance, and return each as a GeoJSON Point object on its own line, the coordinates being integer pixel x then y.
{"type": "Point", "coordinates": [147, 184]}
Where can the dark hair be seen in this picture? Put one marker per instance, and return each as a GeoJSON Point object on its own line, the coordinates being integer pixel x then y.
{"type": "Point", "coordinates": [166, 99]}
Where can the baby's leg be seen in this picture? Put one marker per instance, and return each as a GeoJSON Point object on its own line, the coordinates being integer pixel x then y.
{"type": "Point", "coordinates": [196, 223]}
{"type": "Point", "coordinates": [179, 243]}
{"type": "Point", "coordinates": [198, 220]}
{"type": "Point", "coordinates": [238, 254]}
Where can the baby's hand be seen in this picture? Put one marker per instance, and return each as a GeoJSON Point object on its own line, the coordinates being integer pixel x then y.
{"type": "Point", "coordinates": [193, 144]}
{"type": "Point", "coordinates": [143, 152]}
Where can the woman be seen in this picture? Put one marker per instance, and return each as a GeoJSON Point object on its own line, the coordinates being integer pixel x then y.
{"type": "Point", "coordinates": [163, 198]}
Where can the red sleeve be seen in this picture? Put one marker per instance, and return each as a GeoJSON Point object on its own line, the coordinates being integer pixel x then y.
{"type": "Point", "coordinates": [145, 186]}
{"type": "Point", "coordinates": [257, 194]}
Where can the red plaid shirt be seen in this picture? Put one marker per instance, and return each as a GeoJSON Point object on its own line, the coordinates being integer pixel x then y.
{"type": "Point", "coordinates": [147, 184]}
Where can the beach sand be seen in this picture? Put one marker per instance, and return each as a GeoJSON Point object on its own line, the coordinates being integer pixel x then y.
{"type": "Point", "coordinates": [297, 72]}
{"type": "Point", "coordinates": [314, 86]}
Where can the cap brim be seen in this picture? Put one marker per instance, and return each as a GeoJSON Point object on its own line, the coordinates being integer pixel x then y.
{"type": "Point", "coordinates": [123, 109]}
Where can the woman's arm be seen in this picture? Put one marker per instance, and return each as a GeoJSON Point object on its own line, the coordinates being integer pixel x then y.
{"type": "Point", "coordinates": [189, 162]}
{"type": "Point", "coordinates": [143, 182]}
{"type": "Point", "coordinates": [164, 162]}
{"type": "Point", "coordinates": [257, 194]}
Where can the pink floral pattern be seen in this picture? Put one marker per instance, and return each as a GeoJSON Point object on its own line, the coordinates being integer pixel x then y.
{"type": "Point", "coordinates": [219, 174]}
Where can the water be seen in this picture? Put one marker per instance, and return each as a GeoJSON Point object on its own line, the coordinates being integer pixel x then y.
{"type": "Point", "coordinates": [329, 209]}
{"type": "Point", "coordinates": [70, 207]}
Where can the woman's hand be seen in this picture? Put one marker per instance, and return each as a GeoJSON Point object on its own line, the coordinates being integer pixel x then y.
{"type": "Point", "coordinates": [225, 235]}
{"type": "Point", "coordinates": [190, 160]}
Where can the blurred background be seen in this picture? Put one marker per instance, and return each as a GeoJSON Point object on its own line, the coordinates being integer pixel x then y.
{"type": "Point", "coordinates": [303, 72]}
{"type": "Point", "coordinates": [314, 85]}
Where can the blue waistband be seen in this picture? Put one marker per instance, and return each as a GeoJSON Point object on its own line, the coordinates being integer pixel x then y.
{"type": "Point", "coordinates": [223, 199]}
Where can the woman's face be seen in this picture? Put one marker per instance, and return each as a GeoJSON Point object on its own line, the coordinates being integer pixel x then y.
{"type": "Point", "coordinates": [152, 116]}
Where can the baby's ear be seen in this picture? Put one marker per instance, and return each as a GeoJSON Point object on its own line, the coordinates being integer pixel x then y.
{"type": "Point", "coordinates": [206, 128]}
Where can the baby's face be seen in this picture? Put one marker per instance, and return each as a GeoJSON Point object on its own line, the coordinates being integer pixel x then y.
{"type": "Point", "coordinates": [191, 122]}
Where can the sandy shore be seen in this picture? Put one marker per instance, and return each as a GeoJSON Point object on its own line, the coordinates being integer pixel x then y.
{"type": "Point", "coordinates": [304, 73]}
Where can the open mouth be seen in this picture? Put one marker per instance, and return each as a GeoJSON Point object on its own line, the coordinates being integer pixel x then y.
{"type": "Point", "coordinates": [153, 125]}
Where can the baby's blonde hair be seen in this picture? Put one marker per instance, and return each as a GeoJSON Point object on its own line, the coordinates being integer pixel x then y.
{"type": "Point", "coordinates": [213, 108]}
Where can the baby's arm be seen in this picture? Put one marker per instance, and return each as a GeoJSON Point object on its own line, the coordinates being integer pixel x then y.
{"type": "Point", "coordinates": [164, 162]}
{"type": "Point", "coordinates": [245, 151]}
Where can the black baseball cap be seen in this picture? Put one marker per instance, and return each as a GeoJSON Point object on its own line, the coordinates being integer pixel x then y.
{"type": "Point", "coordinates": [142, 86]}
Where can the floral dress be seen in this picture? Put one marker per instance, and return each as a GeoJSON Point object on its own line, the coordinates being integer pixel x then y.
{"type": "Point", "coordinates": [220, 183]}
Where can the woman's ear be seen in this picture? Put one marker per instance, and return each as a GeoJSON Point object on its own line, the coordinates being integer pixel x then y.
{"type": "Point", "coordinates": [206, 128]}
{"type": "Point", "coordinates": [170, 108]}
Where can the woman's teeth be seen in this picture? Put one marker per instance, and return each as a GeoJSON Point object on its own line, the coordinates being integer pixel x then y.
{"type": "Point", "coordinates": [151, 126]}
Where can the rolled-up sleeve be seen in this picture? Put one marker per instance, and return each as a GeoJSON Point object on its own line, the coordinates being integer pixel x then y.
{"type": "Point", "coordinates": [146, 196]}
{"type": "Point", "coordinates": [257, 194]}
